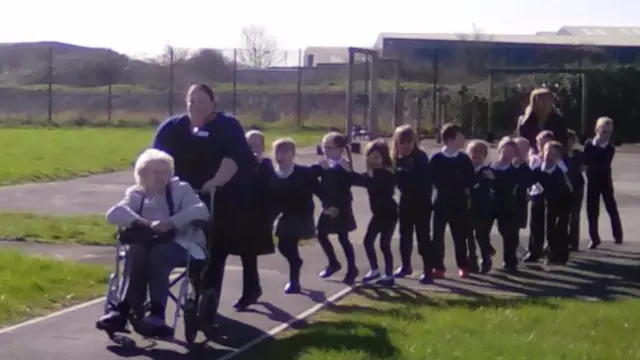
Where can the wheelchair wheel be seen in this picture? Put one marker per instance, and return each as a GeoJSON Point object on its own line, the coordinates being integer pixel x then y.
{"type": "Point", "coordinates": [190, 321]}
{"type": "Point", "coordinates": [111, 296]}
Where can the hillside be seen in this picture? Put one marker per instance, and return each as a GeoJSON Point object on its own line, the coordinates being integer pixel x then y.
{"type": "Point", "coordinates": [79, 66]}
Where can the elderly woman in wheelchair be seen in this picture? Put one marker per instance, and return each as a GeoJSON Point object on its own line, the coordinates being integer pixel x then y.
{"type": "Point", "coordinates": [156, 220]}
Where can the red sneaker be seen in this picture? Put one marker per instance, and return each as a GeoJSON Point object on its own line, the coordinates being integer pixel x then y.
{"type": "Point", "coordinates": [463, 273]}
{"type": "Point", "coordinates": [438, 274]}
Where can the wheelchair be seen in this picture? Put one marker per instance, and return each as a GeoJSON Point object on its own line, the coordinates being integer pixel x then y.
{"type": "Point", "coordinates": [187, 300]}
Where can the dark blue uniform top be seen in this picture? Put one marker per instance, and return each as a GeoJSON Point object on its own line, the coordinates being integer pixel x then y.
{"type": "Point", "coordinates": [481, 192]}
{"type": "Point", "coordinates": [414, 179]}
{"type": "Point", "coordinates": [598, 160]}
{"type": "Point", "coordinates": [453, 177]}
{"type": "Point", "coordinates": [198, 154]}
{"type": "Point", "coordinates": [381, 187]}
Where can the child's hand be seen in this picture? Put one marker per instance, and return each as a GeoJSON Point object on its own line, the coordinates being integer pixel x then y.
{"type": "Point", "coordinates": [345, 164]}
{"type": "Point", "coordinates": [331, 211]}
{"type": "Point", "coordinates": [369, 172]}
{"type": "Point", "coordinates": [489, 174]}
{"type": "Point", "coordinates": [324, 164]}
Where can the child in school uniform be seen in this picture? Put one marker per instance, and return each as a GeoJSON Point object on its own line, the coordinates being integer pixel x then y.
{"type": "Point", "coordinates": [537, 218]}
{"type": "Point", "coordinates": [260, 233]}
{"type": "Point", "coordinates": [575, 162]}
{"type": "Point", "coordinates": [380, 182]}
{"type": "Point", "coordinates": [505, 202]}
{"type": "Point", "coordinates": [414, 183]}
{"type": "Point", "coordinates": [453, 177]}
{"type": "Point", "coordinates": [598, 156]}
{"type": "Point", "coordinates": [521, 164]}
{"type": "Point", "coordinates": [481, 209]}
{"type": "Point", "coordinates": [556, 190]}
{"type": "Point", "coordinates": [291, 192]}
{"type": "Point", "coordinates": [337, 215]}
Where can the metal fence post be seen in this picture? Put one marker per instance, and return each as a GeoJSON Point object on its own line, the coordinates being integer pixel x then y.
{"type": "Point", "coordinates": [50, 87]}
{"type": "Point", "coordinates": [235, 81]}
{"type": "Point", "coordinates": [299, 91]}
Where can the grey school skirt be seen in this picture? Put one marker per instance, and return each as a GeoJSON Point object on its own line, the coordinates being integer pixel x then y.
{"type": "Point", "coordinates": [296, 226]}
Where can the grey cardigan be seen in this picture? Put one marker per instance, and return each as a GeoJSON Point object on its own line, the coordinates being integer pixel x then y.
{"type": "Point", "coordinates": [187, 208]}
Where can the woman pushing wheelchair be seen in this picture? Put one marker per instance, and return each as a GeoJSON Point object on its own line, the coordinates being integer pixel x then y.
{"type": "Point", "coordinates": [156, 215]}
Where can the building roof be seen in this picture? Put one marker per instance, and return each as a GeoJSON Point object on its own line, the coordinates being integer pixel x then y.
{"type": "Point", "coordinates": [610, 31]}
{"type": "Point", "coordinates": [328, 55]}
{"type": "Point", "coordinates": [571, 40]}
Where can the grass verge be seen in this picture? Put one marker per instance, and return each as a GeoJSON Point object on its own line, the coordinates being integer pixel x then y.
{"type": "Point", "coordinates": [77, 230]}
{"type": "Point", "coordinates": [402, 324]}
{"type": "Point", "coordinates": [33, 286]}
{"type": "Point", "coordinates": [46, 154]}
{"type": "Point", "coordinates": [84, 230]}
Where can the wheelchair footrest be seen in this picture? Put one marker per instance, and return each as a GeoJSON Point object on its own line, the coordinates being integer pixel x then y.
{"type": "Point", "coordinates": [165, 332]}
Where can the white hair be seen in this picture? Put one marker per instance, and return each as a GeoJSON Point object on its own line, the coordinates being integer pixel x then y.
{"type": "Point", "coordinates": [254, 132]}
{"type": "Point", "coordinates": [149, 156]}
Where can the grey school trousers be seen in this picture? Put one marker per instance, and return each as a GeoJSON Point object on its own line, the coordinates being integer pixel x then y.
{"type": "Point", "coordinates": [151, 266]}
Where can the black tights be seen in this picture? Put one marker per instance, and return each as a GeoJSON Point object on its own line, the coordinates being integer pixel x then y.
{"type": "Point", "coordinates": [384, 227]}
{"type": "Point", "coordinates": [343, 239]}
{"type": "Point", "coordinates": [288, 247]}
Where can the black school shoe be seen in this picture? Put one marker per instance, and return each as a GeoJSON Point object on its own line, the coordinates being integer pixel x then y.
{"type": "Point", "coordinates": [472, 265]}
{"type": "Point", "coordinates": [403, 271]}
{"type": "Point", "coordinates": [387, 280]}
{"type": "Point", "coordinates": [351, 276]}
{"type": "Point", "coordinates": [487, 265]}
{"type": "Point", "coordinates": [509, 268]}
{"type": "Point", "coordinates": [247, 300]}
{"type": "Point", "coordinates": [531, 258]}
{"type": "Point", "coordinates": [330, 270]}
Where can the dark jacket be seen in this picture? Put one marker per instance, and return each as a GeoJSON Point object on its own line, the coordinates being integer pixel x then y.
{"type": "Point", "coordinates": [529, 128]}
{"type": "Point", "coordinates": [258, 238]}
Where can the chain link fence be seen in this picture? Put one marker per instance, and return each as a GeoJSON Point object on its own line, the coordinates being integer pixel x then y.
{"type": "Point", "coordinates": [81, 86]}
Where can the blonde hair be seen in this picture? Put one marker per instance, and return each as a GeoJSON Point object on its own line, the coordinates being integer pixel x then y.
{"type": "Point", "coordinates": [548, 134]}
{"type": "Point", "coordinates": [402, 134]}
{"type": "Point", "coordinates": [508, 141]}
{"type": "Point", "coordinates": [603, 121]}
{"type": "Point", "coordinates": [521, 140]}
{"type": "Point", "coordinates": [337, 139]}
{"type": "Point", "coordinates": [283, 144]}
{"type": "Point", "coordinates": [151, 156]}
{"type": "Point", "coordinates": [478, 144]}
{"type": "Point", "coordinates": [534, 97]}
{"type": "Point", "coordinates": [254, 132]}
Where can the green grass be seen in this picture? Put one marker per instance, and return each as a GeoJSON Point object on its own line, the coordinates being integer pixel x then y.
{"type": "Point", "coordinates": [85, 230]}
{"type": "Point", "coordinates": [338, 86]}
{"type": "Point", "coordinates": [418, 327]}
{"type": "Point", "coordinates": [33, 286]}
{"type": "Point", "coordinates": [79, 230]}
{"type": "Point", "coordinates": [45, 154]}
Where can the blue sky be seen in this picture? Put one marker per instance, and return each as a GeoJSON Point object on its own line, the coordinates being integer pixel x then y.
{"type": "Point", "coordinates": [144, 27]}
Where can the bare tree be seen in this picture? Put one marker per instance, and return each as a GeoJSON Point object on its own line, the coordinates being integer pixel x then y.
{"type": "Point", "coordinates": [475, 52]}
{"type": "Point", "coordinates": [259, 49]}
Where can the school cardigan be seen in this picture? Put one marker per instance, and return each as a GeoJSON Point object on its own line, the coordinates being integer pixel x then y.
{"type": "Point", "coordinates": [187, 208]}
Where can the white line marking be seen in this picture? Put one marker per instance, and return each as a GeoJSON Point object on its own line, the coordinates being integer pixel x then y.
{"type": "Point", "coordinates": [64, 311]}
{"type": "Point", "coordinates": [284, 326]}
{"type": "Point", "coordinates": [52, 315]}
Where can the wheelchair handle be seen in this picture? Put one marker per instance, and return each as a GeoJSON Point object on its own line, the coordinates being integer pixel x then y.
{"type": "Point", "coordinates": [211, 195]}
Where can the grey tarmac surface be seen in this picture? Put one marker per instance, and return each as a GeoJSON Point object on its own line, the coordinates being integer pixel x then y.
{"type": "Point", "coordinates": [592, 274]}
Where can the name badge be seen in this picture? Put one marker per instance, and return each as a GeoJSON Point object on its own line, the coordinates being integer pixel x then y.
{"type": "Point", "coordinates": [202, 133]}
